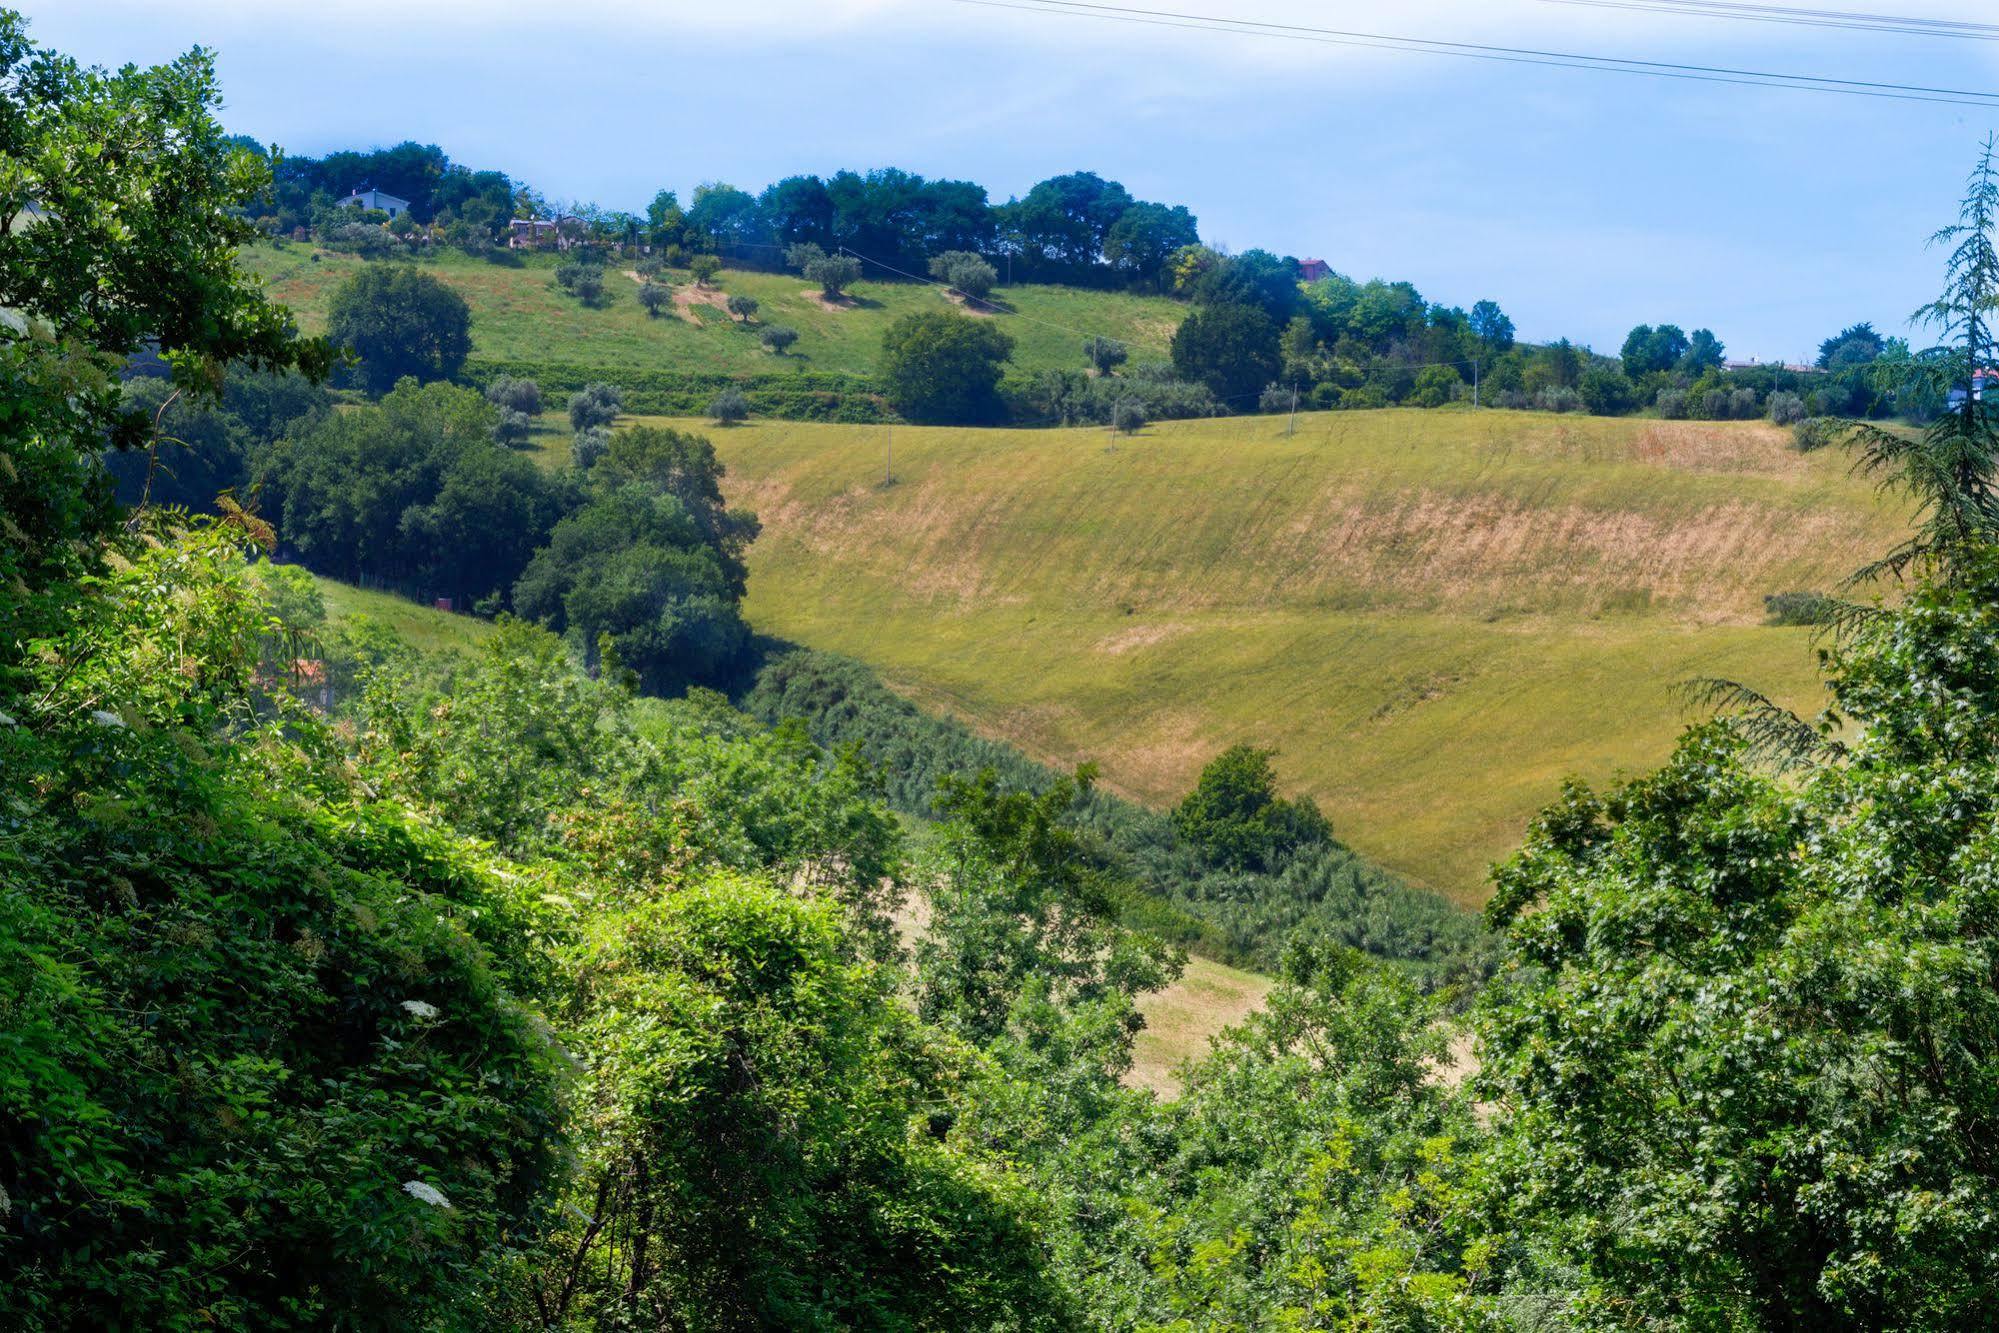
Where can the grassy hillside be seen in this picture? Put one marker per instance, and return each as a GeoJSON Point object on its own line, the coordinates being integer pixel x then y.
{"type": "Point", "coordinates": [1432, 616]}
{"type": "Point", "coordinates": [423, 627]}
{"type": "Point", "coordinates": [518, 313]}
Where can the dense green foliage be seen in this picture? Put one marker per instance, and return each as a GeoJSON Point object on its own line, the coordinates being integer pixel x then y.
{"type": "Point", "coordinates": [345, 987]}
{"type": "Point", "coordinates": [413, 492]}
{"type": "Point", "coordinates": [400, 323]}
{"type": "Point", "coordinates": [651, 563]}
{"type": "Point", "coordinates": [1231, 349]}
{"type": "Point", "coordinates": [248, 1029]}
{"type": "Point", "coordinates": [145, 253]}
{"type": "Point", "coordinates": [469, 207]}
{"type": "Point", "coordinates": [944, 368]}
{"type": "Point", "coordinates": [1173, 887]}
{"type": "Point", "coordinates": [1235, 818]}
{"type": "Point", "coordinates": [1750, 1071]}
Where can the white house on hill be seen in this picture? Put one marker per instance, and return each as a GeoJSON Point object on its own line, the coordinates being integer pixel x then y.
{"type": "Point", "coordinates": [388, 203]}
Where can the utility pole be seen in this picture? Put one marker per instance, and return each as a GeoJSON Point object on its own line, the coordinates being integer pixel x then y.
{"type": "Point", "coordinates": [1474, 384]}
{"type": "Point", "coordinates": [888, 453]}
{"type": "Point", "coordinates": [1291, 425]}
{"type": "Point", "coordinates": [1117, 409]}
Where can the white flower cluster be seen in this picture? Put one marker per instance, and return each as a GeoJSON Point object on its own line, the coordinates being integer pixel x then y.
{"type": "Point", "coordinates": [420, 1008]}
{"type": "Point", "coordinates": [107, 719]}
{"type": "Point", "coordinates": [429, 1194]}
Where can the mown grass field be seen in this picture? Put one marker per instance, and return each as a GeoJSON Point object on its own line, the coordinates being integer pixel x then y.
{"type": "Point", "coordinates": [518, 313]}
{"type": "Point", "coordinates": [1433, 617]}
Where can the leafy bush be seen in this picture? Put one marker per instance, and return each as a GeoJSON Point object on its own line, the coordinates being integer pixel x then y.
{"type": "Point", "coordinates": [778, 337]}
{"type": "Point", "coordinates": [742, 307]}
{"type": "Point", "coordinates": [966, 273]}
{"type": "Point", "coordinates": [1606, 392]}
{"type": "Point", "coordinates": [1235, 818]}
{"type": "Point", "coordinates": [729, 408]}
{"type": "Point", "coordinates": [655, 297]}
{"type": "Point", "coordinates": [1785, 409]}
{"type": "Point", "coordinates": [1814, 433]}
{"type": "Point", "coordinates": [367, 239]}
{"type": "Point", "coordinates": [514, 395]}
{"type": "Point", "coordinates": [1673, 404]}
{"type": "Point", "coordinates": [513, 428]}
{"type": "Point", "coordinates": [704, 268]}
{"type": "Point", "coordinates": [833, 274]}
{"type": "Point", "coordinates": [1105, 354]}
{"type": "Point", "coordinates": [1435, 386]}
{"type": "Point", "coordinates": [595, 404]}
{"type": "Point", "coordinates": [1799, 608]}
{"type": "Point", "coordinates": [246, 1023]}
{"type": "Point", "coordinates": [589, 445]}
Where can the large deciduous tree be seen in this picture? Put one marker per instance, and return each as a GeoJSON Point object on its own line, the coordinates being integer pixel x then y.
{"type": "Point", "coordinates": [400, 323]}
{"type": "Point", "coordinates": [944, 367]}
{"type": "Point", "coordinates": [119, 226]}
{"type": "Point", "coordinates": [1232, 349]}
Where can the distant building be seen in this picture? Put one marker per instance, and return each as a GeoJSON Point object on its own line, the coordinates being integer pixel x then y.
{"type": "Point", "coordinates": [535, 233]}
{"type": "Point", "coordinates": [1982, 383]}
{"type": "Point", "coordinates": [1753, 364]}
{"type": "Point", "coordinates": [1311, 270]}
{"type": "Point", "coordinates": [388, 203]}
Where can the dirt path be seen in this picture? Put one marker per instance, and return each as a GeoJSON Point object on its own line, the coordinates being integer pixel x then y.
{"type": "Point", "coordinates": [686, 296]}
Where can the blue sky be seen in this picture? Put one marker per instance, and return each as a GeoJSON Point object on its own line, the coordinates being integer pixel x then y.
{"type": "Point", "coordinates": [1583, 202]}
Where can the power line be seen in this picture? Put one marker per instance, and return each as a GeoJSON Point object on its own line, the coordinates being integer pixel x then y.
{"type": "Point", "coordinates": [1686, 71]}
{"type": "Point", "coordinates": [1842, 19]}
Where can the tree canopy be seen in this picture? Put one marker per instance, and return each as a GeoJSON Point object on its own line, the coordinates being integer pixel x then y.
{"type": "Point", "coordinates": [944, 367]}
{"type": "Point", "coordinates": [400, 323]}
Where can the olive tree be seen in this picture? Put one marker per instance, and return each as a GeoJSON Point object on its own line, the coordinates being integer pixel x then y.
{"type": "Point", "coordinates": [729, 407]}
{"type": "Point", "coordinates": [1105, 354]}
{"type": "Point", "coordinates": [966, 273]}
{"type": "Point", "coordinates": [834, 274]}
{"type": "Point", "coordinates": [594, 405]}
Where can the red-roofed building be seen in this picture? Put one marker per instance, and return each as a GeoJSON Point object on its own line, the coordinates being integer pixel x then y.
{"type": "Point", "coordinates": [1311, 270]}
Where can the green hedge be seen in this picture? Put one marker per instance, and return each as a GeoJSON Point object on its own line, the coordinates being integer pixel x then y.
{"type": "Point", "coordinates": [797, 396]}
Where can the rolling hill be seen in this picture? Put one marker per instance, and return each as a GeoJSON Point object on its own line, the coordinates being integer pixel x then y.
{"type": "Point", "coordinates": [520, 315]}
{"type": "Point", "coordinates": [1434, 617]}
